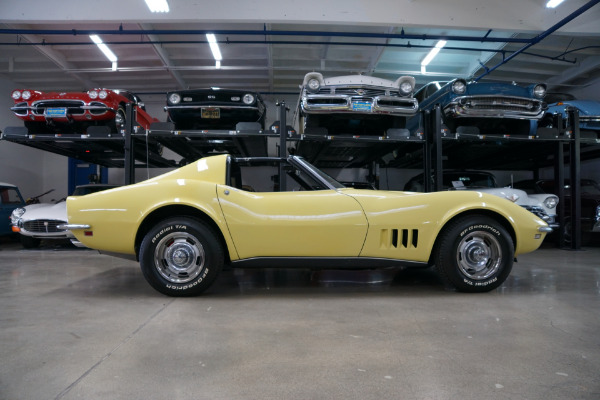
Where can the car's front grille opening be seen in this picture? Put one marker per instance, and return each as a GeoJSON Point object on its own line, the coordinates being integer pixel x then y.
{"type": "Point", "coordinates": [501, 103]}
{"type": "Point", "coordinates": [20, 109]}
{"type": "Point", "coordinates": [43, 226]}
{"type": "Point", "coordinates": [97, 111]}
{"type": "Point", "coordinates": [73, 106]}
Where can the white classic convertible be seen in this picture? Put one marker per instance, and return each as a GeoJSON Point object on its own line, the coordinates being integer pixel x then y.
{"type": "Point", "coordinates": [35, 222]}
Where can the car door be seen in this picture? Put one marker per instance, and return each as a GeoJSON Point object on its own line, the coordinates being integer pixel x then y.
{"type": "Point", "coordinates": [320, 223]}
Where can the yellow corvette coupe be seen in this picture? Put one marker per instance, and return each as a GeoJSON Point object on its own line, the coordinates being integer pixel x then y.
{"type": "Point", "coordinates": [183, 226]}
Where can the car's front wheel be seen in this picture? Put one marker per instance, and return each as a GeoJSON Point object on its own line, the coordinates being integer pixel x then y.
{"type": "Point", "coordinates": [474, 254]}
{"type": "Point", "coordinates": [181, 257]}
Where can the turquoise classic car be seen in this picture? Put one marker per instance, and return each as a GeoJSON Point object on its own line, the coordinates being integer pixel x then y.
{"type": "Point", "coordinates": [490, 108]}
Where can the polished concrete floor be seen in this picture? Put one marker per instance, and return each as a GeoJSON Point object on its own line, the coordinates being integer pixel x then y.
{"type": "Point", "coordinates": [78, 325]}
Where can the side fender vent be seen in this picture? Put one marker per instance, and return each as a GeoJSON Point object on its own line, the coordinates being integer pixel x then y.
{"type": "Point", "coordinates": [399, 238]}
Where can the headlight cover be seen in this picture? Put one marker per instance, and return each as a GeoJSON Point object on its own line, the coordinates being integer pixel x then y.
{"type": "Point", "coordinates": [406, 88]}
{"type": "Point", "coordinates": [248, 98]}
{"type": "Point", "coordinates": [17, 213]}
{"type": "Point", "coordinates": [313, 85]}
{"type": "Point", "coordinates": [26, 95]}
{"type": "Point", "coordinates": [551, 201]}
{"type": "Point", "coordinates": [16, 95]}
{"type": "Point", "coordinates": [93, 94]}
{"type": "Point", "coordinates": [102, 94]}
{"type": "Point", "coordinates": [459, 86]}
{"type": "Point", "coordinates": [539, 91]}
{"type": "Point", "coordinates": [174, 98]}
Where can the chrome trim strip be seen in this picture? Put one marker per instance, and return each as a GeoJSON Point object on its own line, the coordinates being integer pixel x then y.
{"type": "Point", "coordinates": [73, 226]}
{"type": "Point", "coordinates": [209, 106]}
{"type": "Point", "coordinates": [457, 107]}
{"type": "Point", "coordinates": [325, 262]}
{"type": "Point", "coordinates": [321, 104]}
{"type": "Point", "coordinates": [545, 229]}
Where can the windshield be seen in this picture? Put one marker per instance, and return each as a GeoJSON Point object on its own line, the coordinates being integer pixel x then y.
{"type": "Point", "coordinates": [556, 97]}
{"type": "Point", "coordinates": [332, 182]}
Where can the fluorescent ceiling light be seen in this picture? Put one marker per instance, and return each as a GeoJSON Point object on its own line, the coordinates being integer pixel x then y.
{"type": "Point", "coordinates": [553, 3]}
{"type": "Point", "coordinates": [104, 48]}
{"type": "Point", "coordinates": [433, 53]}
{"type": "Point", "coordinates": [218, 64]}
{"type": "Point", "coordinates": [214, 46]}
{"type": "Point", "coordinates": [158, 5]}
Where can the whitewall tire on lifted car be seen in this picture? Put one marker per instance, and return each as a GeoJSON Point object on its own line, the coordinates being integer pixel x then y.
{"type": "Point", "coordinates": [181, 257]}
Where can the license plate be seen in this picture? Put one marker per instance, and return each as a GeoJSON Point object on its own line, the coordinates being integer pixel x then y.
{"type": "Point", "coordinates": [56, 112]}
{"type": "Point", "coordinates": [361, 106]}
{"type": "Point", "coordinates": [211, 112]}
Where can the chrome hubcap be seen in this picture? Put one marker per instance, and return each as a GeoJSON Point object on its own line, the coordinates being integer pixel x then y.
{"type": "Point", "coordinates": [479, 255]}
{"type": "Point", "coordinates": [179, 257]}
{"type": "Point", "coordinates": [119, 119]}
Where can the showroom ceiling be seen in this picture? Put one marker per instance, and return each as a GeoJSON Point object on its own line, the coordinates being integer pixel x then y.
{"type": "Point", "coordinates": [47, 49]}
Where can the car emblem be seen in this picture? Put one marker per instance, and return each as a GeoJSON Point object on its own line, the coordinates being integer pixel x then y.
{"type": "Point", "coordinates": [210, 96]}
{"type": "Point", "coordinates": [360, 91]}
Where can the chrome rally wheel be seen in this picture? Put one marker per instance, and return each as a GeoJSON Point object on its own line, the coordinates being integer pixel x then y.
{"type": "Point", "coordinates": [179, 257]}
{"type": "Point", "coordinates": [479, 255]}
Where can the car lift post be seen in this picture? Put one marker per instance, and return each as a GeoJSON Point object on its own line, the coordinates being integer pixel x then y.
{"type": "Point", "coordinates": [282, 143]}
{"type": "Point", "coordinates": [575, 170]}
{"type": "Point", "coordinates": [432, 125]}
{"type": "Point", "coordinates": [559, 179]}
{"type": "Point", "coordinates": [129, 158]}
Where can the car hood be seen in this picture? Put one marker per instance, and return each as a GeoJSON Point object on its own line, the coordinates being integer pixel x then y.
{"type": "Point", "coordinates": [56, 211]}
{"type": "Point", "coordinates": [358, 80]}
{"type": "Point", "coordinates": [585, 107]}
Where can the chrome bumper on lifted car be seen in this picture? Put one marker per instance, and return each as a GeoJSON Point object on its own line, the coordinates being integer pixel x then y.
{"type": "Point", "coordinates": [596, 225]}
{"type": "Point", "coordinates": [390, 105]}
{"type": "Point", "coordinates": [494, 107]}
{"type": "Point", "coordinates": [540, 213]}
{"type": "Point", "coordinates": [42, 108]}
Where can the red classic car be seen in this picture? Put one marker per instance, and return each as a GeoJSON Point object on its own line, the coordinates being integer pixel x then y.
{"type": "Point", "coordinates": [74, 112]}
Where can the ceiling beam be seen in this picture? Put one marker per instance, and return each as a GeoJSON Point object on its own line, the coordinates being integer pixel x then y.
{"type": "Point", "coordinates": [164, 56]}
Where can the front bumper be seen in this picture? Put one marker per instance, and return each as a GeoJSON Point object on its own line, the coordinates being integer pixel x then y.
{"type": "Point", "coordinates": [42, 229]}
{"type": "Point", "coordinates": [491, 106]}
{"type": "Point", "coordinates": [76, 110]}
{"type": "Point", "coordinates": [341, 103]}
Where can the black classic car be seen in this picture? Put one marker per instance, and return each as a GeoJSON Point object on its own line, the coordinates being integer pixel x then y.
{"type": "Point", "coordinates": [214, 108]}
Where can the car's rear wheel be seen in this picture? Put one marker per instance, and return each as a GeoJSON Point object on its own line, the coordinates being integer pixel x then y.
{"type": "Point", "coordinates": [181, 257]}
{"type": "Point", "coordinates": [474, 254]}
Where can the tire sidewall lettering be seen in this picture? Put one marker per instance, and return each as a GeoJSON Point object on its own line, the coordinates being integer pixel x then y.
{"type": "Point", "coordinates": [168, 229]}
{"type": "Point", "coordinates": [483, 227]}
{"type": "Point", "coordinates": [190, 285]}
